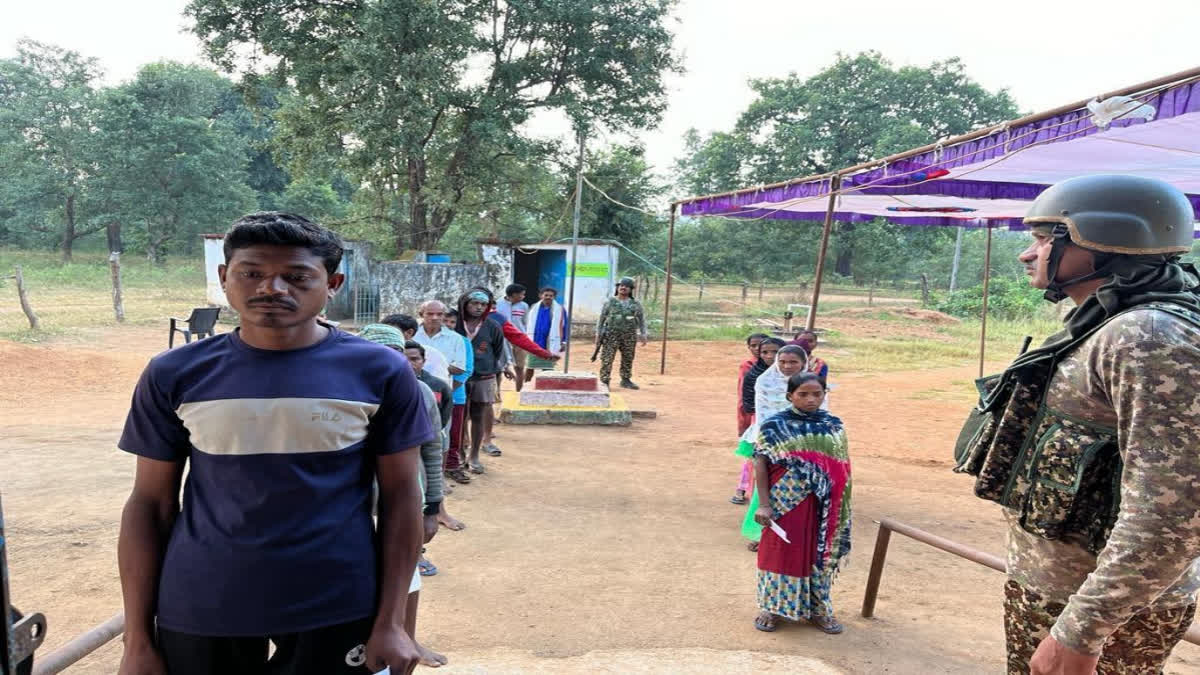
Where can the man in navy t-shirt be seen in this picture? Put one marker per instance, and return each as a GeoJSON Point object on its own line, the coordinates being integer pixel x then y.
{"type": "Point", "coordinates": [283, 424]}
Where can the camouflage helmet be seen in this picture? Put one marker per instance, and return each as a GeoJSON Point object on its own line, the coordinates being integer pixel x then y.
{"type": "Point", "coordinates": [627, 281]}
{"type": "Point", "coordinates": [1124, 215]}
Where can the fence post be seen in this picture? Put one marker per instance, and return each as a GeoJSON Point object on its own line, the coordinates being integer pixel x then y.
{"type": "Point", "coordinates": [877, 559]}
{"type": "Point", "coordinates": [924, 290]}
{"type": "Point", "coordinates": [701, 290]}
{"type": "Point", "coordinates": [762, 286]}
{"type": "Point", "coordinates": [114, 264]}
{"type": "Point", "coordinates": [745, 290]}
{"type": "Point", "coordinates": [23, 297]}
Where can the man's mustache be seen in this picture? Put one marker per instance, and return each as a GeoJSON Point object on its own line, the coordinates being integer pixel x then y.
{"type": "Point", "coordinates": [269, 300]}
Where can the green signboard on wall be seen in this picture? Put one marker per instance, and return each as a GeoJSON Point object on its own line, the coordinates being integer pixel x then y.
{"type": "Point", "coordinates": [591, 270]}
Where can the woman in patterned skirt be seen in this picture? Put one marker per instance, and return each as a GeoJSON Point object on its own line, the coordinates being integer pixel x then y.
{"type": "Point", "coordinates": [802, 471]}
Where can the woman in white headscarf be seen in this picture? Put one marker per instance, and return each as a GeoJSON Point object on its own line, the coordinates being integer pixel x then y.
{"type": "Point", "coordinates": [770, 399]}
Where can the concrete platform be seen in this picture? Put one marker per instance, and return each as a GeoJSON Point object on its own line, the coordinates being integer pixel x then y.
{"type": "Point", "coordinates": [555, 398]}
{"type": "Point", "coordinates": [577, 381]}
{"type": "Point", "coordinates": [616, 414]}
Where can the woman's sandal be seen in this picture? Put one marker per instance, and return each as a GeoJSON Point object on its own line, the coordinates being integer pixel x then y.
{"type": "Point", "coordinates": [828, 624]}
{"type": "Point", "coordinates": [738, 499]}
{"type": "Point", "coordinates": [476, 467]}
{"type": "Point", "coordinates": [459, 476]}
{"type": "Point", "coordinates": [767, 623]}
{"type": "Point", "coordinates": [427, 568]}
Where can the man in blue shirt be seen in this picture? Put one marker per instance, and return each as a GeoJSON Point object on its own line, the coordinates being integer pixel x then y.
{"type": "Point", "coordinates": [283, 425]}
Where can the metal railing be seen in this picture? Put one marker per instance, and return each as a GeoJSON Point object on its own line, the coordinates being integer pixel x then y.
{"type": "Point", "coordinates": [887, 526]}
{"type": "Point", "coordinates": [74, 651]}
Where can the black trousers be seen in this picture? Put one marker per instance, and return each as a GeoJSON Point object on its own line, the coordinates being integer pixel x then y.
{"type": "Point", "coordinates": [332, 650]}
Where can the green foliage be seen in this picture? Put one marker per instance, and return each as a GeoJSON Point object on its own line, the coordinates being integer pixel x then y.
{"type": "Point", "coordinates": [178, 165]}
{"type": "Point", "coordinates": [313, 199]}
{"type": "Point", "coordinates": [419, 100]}
{"type": "Point", "coordinates": [1008, 298]}
{"type": "Point", "coordinates": [47, 111]}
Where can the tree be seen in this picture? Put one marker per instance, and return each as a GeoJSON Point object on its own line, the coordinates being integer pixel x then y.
{"type": "Point", "coordinates": [314, 199]}
{"type": "Point", "coordinates": [858, 109]}
{"type": "Point", "coordinates": [47, 111]}
{"type": "Point", "coordinates": [712, 164]}
{"type": "Point", "coordinates": [177, 165]}
{"type": "Point", "coordinates": [422, 98]}
{"type": "Point", "coordinates": [622, 173]}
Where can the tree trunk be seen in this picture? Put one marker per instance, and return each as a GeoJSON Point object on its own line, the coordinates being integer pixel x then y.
{"type": "Point", "coordinates": [924, 290]}
{"type": "Point", "coordinates": [23, 297]}
{"type": "Point", "coordinates": [114, 264]}
{"type": "Point", "coordinates": [957, 256]}
{"type": "Point", "coordinates": [871, 292]}
{"type": "Point", "coordinates": [418, 209]}
{"type": "Point", "coordinates": [68, 240]}
{"type": "Point", "coordinates": [113, 234]}
{"type": "Point", "coordinates": [845, 263]}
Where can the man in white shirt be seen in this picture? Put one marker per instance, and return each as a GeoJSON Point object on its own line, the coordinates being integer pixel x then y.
{"type": "Point", "coordinates": [436, 363]}
{"type": "Point", "coordinates": [433, 333]}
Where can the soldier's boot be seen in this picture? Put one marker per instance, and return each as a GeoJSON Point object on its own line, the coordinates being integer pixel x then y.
{"type": "Point", "coordinates": [628, 384]}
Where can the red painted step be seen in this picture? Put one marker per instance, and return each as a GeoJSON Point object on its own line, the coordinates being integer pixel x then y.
{"type": "Point", "coordinates": [572, 382]}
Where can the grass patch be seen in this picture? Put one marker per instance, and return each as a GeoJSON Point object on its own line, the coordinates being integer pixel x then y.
{"type": "Point", "coordinates": [910, 352]}
{"type": "Point", "coordinates": [72, 298]}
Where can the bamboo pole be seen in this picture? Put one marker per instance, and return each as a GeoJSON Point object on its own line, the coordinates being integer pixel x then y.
{"type": "Point", "coordinates": [987, 276]}
{"type": "Point", "coordinates": [834, 185]}
{"type": "Point", "coordinates": [667, 298]}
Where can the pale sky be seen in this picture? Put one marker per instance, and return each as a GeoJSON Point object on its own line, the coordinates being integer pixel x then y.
{"type": "Point", "coordinates": [1046, 53]}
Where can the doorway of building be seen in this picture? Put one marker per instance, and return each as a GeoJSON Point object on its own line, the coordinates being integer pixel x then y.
{"type": "Point", "coordinates": [536, 269]}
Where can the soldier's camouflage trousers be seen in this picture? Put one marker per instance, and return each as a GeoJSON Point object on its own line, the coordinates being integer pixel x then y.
{"type": "Point", "coordinates": [1140, 647]}
{"type": "Point", "coordinates": [627, 344]}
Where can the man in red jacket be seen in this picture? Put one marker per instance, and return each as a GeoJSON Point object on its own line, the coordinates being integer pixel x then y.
{"type": "Point", "coordinates": [517, 338]}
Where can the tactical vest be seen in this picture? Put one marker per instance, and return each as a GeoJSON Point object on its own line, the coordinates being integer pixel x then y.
{"type": "Point", "coordinates": [622, 317]}
{"type": "Point", "coordinates": [1062, 474]}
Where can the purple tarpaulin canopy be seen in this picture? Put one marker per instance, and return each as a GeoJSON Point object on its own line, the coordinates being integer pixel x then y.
{"type": "Point", "coordinates": [987, 178]}
{"type": "Point", "coordinates": [994, 176]}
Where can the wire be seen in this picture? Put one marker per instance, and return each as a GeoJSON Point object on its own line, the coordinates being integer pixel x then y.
{"type": "Point", "coordinates": [618, 203]}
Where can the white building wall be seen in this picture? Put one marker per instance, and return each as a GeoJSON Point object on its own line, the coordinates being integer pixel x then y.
{"type": "Point", "coordinates": [595, 279]}
{"type": "Point", "coordinates": [214, 256]}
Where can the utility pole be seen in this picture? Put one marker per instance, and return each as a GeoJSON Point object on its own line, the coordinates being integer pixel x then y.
{"type": "Point", "coordinates": [574, 246]}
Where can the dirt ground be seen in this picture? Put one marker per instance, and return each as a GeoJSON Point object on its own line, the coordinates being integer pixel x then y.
{"type": "Point", "coordinates": [588, 550]}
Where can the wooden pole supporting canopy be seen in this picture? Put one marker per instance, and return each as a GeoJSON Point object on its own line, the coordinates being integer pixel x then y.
{"type": "Point", "coordinates": [835, 184]}
{"type": "Point", "coordinates": [987, 276]}
{"type": "Point", "coordinates": [667, 301]}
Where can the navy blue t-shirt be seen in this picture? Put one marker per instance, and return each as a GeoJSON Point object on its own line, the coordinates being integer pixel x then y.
{"type": "Point", "coordinates": [275, 533]}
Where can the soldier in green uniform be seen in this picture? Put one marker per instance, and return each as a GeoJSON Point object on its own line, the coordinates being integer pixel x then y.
{"type": "Point", "coordinates": [1091, 442]}
{"type": "Point", "coordinates": [622, 324]}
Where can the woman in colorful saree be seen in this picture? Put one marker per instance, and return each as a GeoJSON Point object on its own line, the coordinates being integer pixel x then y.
{"type": "Point", "coordinates": [803, 468]}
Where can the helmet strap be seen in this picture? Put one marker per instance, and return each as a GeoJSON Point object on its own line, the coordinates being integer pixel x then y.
{"type": "Point", "coordinates": [1056, 291]}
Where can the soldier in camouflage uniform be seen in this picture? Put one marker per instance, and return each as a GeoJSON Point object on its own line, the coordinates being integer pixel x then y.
{"type": "Point", "coordinates": [1091, 441]}
{"type": "Point", "coordinates": [622, 324]}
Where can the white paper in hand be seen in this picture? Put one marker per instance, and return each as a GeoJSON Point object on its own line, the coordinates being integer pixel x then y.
{"type": "Point", "coordinates": [385, 671]}
{"type": "Point", "coordinates": [780, 531]}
